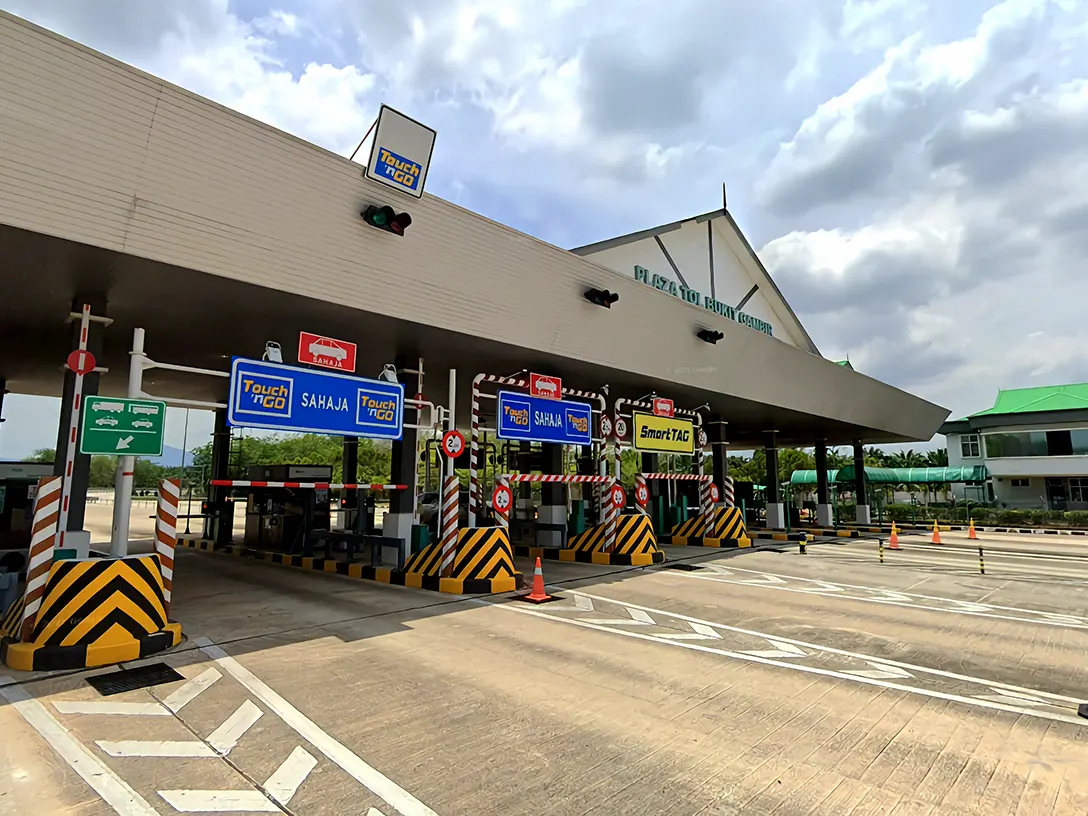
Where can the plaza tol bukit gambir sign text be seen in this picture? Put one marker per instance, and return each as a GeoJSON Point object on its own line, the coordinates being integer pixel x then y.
{"type": "Point", "coordinates": [693, 297]}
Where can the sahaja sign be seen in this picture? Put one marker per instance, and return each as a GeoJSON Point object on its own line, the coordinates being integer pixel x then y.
{"type": "Point", "coordinates": [695, 298]}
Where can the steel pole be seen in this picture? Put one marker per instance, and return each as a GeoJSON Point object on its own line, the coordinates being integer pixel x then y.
{"type": "Point", "coordinates": [126, 465]}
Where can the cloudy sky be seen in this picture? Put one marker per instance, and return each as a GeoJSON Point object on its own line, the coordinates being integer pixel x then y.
{"type": "Point", "coordinates": [912, 172]}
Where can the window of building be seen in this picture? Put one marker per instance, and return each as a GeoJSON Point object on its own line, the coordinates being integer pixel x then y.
{"type": "Point", "coordinates": [1078, 490]}
{"type": "Point", "coordinates": [1020, 482]}
{"type": "Point", "coordinates": [969, 446]}
{"type": "Point", "coordinates": [1030, 443]}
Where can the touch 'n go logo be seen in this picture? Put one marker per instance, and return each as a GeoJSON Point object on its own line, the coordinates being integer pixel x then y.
{"type": "Point", "coordinates": [266, 395]}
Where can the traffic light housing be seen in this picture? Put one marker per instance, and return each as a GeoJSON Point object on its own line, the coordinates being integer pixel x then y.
{"type": "Point", "coordinates": [385, 218]}
{"type": "Point", "coordinates": [601, 297]}
{"type": "Point", "coordinates": [708, 336]}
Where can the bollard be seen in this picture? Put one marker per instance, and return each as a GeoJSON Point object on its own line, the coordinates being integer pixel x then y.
{"type": "Point", "coordinates": [880, 541]}
{"type": "Point", "coordinates": [981, 563]}
{"type": "Point", "coordinates": [801, 545]}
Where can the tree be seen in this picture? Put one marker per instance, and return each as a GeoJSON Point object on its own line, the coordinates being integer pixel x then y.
{"type": "Point", "coordinates": [375, 457]}
{"type": "Point", "coordinates": [43, 455]}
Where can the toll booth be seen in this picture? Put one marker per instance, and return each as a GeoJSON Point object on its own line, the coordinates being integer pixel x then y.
{"type": "Point", "coordinates": [18, 487]}
{"type": "Point", "coordinates": [281, 519]}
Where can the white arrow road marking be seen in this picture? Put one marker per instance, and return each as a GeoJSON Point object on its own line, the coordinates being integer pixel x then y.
{"type": "Point", "coordinates": [821, 586]}
{"type": "Point", "coordinates": [882, 671]}
{"type": "Point", "coordinates": [226, 736]}
{"type": "Point", "coordinates": [1014, 697]}
{"type": "Point", "coordinates": [702, 632]}
{"type": "Point", "coordinates": [583, 604]}
{"type": "Point", "coordinates": [886, 595]}
{"type": "Point", "coordinates": [781, 649]}
{"type": "Point", "coordinates": [155, 748]}
{"type": "Point", "coordinates": [281, 786]}
{"type": "Point", "coordinates": [638, 618]}
{"type": "Point", "coordinates": [174, 703]}
{"type": "Point", "coordinates": [1068, 619]}
{"type": "Point", "coordinates": [374, 812]}
{"type": "Point", "coordinates": [767, 580]}
{"type": "Point", "coordinates": [969, 607]}
{"type": "Point", "coordinates": [124, 442]}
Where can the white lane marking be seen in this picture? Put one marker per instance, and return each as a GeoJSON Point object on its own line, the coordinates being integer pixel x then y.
{"type": "Point", "coordinates": [882, 672]}
{"type": "Point", "coordinates": [582, 603]}
{"type": "Point", "coordinates": [226, 736]}
{"type": "Point", "coordinates": [209, 801]}
{"type": "Point", "coordinates": [637, 618]}
{"type": "Point", "coordinates": [189, 692]}
{"type": "Point", "coordinates": [908, 600]}
{"type": "Point", "coordinates": [653, 638]}
{"type": "Point", "coordinates": [114, 791]}
{"type": "Point", "coordinates": [374, 812]}
{"type": "Point", "coordinates": [781, 649]}
{"type": "Point", "coordinates": [384, 788]}
{"type": "Point", "coordinates": [155, 748]}
{"type": "Point", "coordinates": [701, 631]}
{"type": "Point", "coordinates": [290, 775]}
{"type": "Point", "coordinates": [107, 707]}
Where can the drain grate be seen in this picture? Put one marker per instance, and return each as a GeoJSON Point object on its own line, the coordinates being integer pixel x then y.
{"type": "Point", "coordinates": [140, 677]}
{"type": "Point", "coordinates": [684, 567]}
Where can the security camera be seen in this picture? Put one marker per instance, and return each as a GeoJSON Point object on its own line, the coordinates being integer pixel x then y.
{"type": "Point", "coordinates": [389, 373]}
{"type": "Point", "coordinates": [272, 352]}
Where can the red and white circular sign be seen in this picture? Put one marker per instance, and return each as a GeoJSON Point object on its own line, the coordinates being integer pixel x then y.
{"type": "Point", "coordinates": [453, 444]}
{"type": "Point", "coordinates": [502, 499]}
{"type": "Point", "coordinates": [619, 497]}
{"type": "Point", "coordinates": [621, 427]}
{"type": "Point", "coordinates": [642, 495]}
{"type": "Point", "coordinates": [81, 362]}
{"type": "Point", "coordinates": [715, 494]}
{"type": "Point", "coordinates": [702, 438]}
{"type": "Point", "coordinates": [606, 426]}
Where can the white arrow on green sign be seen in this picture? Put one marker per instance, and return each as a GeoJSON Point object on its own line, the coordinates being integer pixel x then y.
{"type": "Point", "coordinates": [122, 427]}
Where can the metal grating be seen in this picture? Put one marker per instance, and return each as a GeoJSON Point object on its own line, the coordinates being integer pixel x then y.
{"type": "Point", "coordinates": [683, 567]}
{"type": "Point", "coordinates": [154, 674]}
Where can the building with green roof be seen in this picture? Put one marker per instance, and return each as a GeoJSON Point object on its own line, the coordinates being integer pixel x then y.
{"type": "Point", "coordinates": [1034, 444]}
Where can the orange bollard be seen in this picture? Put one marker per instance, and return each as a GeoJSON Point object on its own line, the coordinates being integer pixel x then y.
{"type": "Point", "coordinates": [893, 540]}
{"type": "Point", "coordinates": [936, 533]}
{"type": "Point", "coordinates": [971, 530]}
{"type": "Point", "coordinates": [538, 595]}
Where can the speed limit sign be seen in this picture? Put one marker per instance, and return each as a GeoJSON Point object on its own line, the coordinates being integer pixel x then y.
{"type": "Point", "coordinates": [501, 499]}
{"type": "Point", "coordinates": [619, 497]}
{"type": "Point", "coordinates": [715, 494]}
{"type": "Point", "coordinates": [621, 427]}
{"type": "Point", "coordinates": [642, 495]}
{"type": "Point", "coordinates": [453, 444]}
{"type": "Point", "coordinates": [606, 426]}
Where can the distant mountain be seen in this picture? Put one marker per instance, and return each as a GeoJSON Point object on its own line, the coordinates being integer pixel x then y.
{"type": "Point", "coordinates": [171, 457]}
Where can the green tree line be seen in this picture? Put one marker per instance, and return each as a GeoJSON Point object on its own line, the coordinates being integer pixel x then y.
{"type": "Point", "coordinates": [145, 476]}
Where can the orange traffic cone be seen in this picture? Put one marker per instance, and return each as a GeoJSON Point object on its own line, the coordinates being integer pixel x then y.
{"type": "Point", "coordinates": [971, 530]}
{"type": "Point", "coordinates": [893, 540]}
{"type": "Point", "coordinates": [538, 595]}
{"type": "Point", "coordinates": [936, 533]}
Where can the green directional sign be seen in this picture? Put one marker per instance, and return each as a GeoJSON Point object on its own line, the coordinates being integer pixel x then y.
{"type": "Point", "coordinates": [122, 427]}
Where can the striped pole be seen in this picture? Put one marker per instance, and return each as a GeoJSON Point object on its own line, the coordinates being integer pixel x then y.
{"type": "Point", "coordinates": [43, 539]}
{"type": "Point", "coordinates": [502, 514]}
{"type": "Point", "coordinates": [706, 505]}
{"type": "Point", "coordinates": [166, 534]}
{"type": "Point", "coordinates": [448, 521]}
{"type": "Point", "coordinates": [642, 494]}
{"type": "Point", "coordinates": [73, 426]}
{"type": "Point", "coordinates": [728, 495]}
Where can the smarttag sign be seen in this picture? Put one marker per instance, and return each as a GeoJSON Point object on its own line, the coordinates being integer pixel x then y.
{"type": "Point", "coordinates": [279, 397]}
{"type": "Point", "coordinates": [540, 419]}
{"type": "Point", "coordinates": [401, 152]}
{"type": "Point", "coordinates": [658, 434]}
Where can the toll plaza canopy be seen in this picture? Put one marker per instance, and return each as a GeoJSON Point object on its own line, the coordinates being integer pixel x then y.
{"type": "Point", "coordinates": [878, 475]}
{"type": "Point", "coordinates": [217, 233]}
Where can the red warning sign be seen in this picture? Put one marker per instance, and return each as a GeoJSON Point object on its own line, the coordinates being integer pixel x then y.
{"type": "Point", "coordinates": [453, 444]}
{"type": "Point", "coordinates": [81, 361]}
{"type": "Point", "coordinates": [313, 349]}
{"type": "Point", "coordinates": [619, 497]}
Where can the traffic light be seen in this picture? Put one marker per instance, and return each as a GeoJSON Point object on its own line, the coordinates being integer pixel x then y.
{"type": "Point", "coordinates": [708, 336]}
{"type": "Point", "coordinates": [601, 297]}
{"type": "Point", "coordinates": [384, 218]}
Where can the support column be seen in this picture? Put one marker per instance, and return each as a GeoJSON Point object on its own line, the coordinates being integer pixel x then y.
{"type": "Point", "coordinates": [823, 493]}
{"type": "Point", "coordinates": [719, 457]}
{"type": "Point", "coordinates": [776, 517]}
{"type": "Point", "coordinates": [75, 537]}
{"type": "Point", "coordinates": [349, 465]}
{"type": "Point", "coordinates": [553, 499]}
{"type": "Point", "coordinates": [860, 498]}
{"type": "Point", "coordinates": [523, 502]}
{"type": "Point", "coordinates": [402, 503]}
{"type": "Point", "coordinates": [220, 527]}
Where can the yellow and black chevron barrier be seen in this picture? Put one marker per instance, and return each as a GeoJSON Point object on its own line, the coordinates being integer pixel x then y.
{"type": "Point", "coordinates": [96, 612]}
{"type": "Point", "coordinates": [727, 529]}
{"type": "Point", "coordinates": [195, 542]}
{"type": "Point", "coordinates": [484, 564]}
{"type": "Point", "coordinates": [636, 545]}
{"type": "Point", "coordinates": [9, 626]}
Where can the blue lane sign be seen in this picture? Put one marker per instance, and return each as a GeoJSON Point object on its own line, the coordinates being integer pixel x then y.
{"type": "Point", "coordinates": [284, 398]}
{"type": "Point", "coordinates": [538, 419]}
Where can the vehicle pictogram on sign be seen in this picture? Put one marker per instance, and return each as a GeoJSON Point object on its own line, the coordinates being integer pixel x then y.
{"type": "Point", "coordinates": [642, 495]}
{"type": "Point", "coordinates": [453, 444]}
{"type": "Point", "coordinates": [619, 497]}
{"type": "Point", "coordinates": [715, 494]}
{"type": "Point", "coordinates": [541, 385]}
{"type": "Point", "coordinates": [664, 407]}
{"type": "Point", "coordinates": [314, 349]}
{"type": "Point", "coordinates": [502, 499]}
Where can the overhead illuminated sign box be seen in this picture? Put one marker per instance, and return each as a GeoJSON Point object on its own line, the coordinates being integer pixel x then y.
{"type": "Point", "coordinates": [279, 397]}
{"type": "Point", "coordinates": [541, 419]}
{"type": "Point", "coordinates": [401, 152]}
{"type": "Point", "coordinates": [688, 295]}
{"type": "Point", "coordinates": [658, 434]}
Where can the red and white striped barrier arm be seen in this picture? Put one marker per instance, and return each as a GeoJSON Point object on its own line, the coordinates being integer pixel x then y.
{"type": "Point", "coordinates": [677, 477]}
{"type": "Point", "coordinates": [166, 534]}
{"type": "Point", "coordinates": [43, 539]}
{"type": "Point", "coordinates": [448, 523]}
{"type": "Point", "coordinates": [547, 477]}
{"type": "Point", "coordinates": [307, 485]}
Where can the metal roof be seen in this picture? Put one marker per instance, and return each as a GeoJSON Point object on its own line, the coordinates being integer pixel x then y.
{"type": "Point", "coordinates": [1034, 400]}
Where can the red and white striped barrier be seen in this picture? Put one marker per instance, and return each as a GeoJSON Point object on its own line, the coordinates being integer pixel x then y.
{"type": "Point", "coordinates": [306, 485]}
{"type": "Point", "coordinates": [166, 534]}
{"type": "Point", "coordinates": [611, 518]}
{"type": "Point", "coordinates": [676, 477]}
{"type": "Point", "coordinates": [43, 540]}
{"type": "Point", "coordinates": [502, 514]}
{"type": "Point", "coordinates": [448, 523]}
{"type": "Point", "coordinates": [728, 494]}
{"type": "Point", "coordinates": [706, 503]}
{"type": "Point", "coordinates": [548, 477]}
